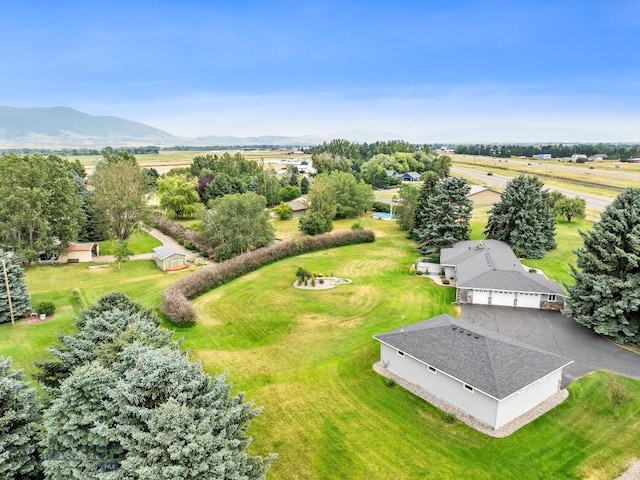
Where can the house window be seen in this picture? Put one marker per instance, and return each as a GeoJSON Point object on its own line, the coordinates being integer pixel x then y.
{"type": "Point", "coordinates": [552, 298]}
{"type": "Point", "coordinates": [432, 369]}
{"type": "Point", "coordinates": [400, 353]}
{"type": "Point", "coordinates": [468, 387]}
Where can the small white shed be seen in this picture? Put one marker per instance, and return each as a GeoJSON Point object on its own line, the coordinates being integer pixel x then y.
{"type": "Point", "coordinates": [168, 258]}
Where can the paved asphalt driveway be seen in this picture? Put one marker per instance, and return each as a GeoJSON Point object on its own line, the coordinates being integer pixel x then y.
{"type": "Point", "coordinates": [558, 334]}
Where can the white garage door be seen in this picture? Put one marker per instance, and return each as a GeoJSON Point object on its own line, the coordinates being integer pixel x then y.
{"type": "Point", "coordinates": [529, 300]}
{"type": "Point", "coordinates": [481, 297]}
{"type": "Point", "coordinates": [502, 298]}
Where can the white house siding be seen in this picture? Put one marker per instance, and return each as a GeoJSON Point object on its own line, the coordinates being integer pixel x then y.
{"type": "Point", "coordinates": [172, 261]}
{"type": "Point", "coordinates": [476, 403]}
{"type": "Point", "coordinates": [519, 403]}
{"type": "Point", "coordinates": [450, 272]}
{"type": "Point", "coordinates": [528, 300]}
{"type": "Point", "coordinates": [505, 299]}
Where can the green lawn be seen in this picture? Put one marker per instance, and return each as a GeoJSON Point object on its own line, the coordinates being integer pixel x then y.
{"type": "Point", "coordinates": [25, 343]}
{"type": "Point", "coordinates": [306, 356]}
{"type": "Point", "coordinates": [139, 242]}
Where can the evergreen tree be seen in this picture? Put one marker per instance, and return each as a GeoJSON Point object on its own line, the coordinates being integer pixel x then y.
{"type": "Point", "coordinates": [78, 443]}
{"type": "Point", "coordinates": [20, 299]}
{"type": "Point", "coordinates": [446, 216]}
{"type": "Point", "coordinates": [429, 181]}
{"type": "Point", "coordinates": [606, 293]}
{"type": "Point", "coordinates": [523, 218]}
{"type": "Point", "coordinates": [19, 417]}
{"type": "Point", "coordinates": [113, 321]}
{"type": "Point", "coordinates": [151, 414]}
{"type": "Point", "coordinates": [304, 185]}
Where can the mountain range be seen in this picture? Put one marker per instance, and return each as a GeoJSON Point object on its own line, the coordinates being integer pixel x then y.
{"type": "Point", "coordinates": [64, 127]}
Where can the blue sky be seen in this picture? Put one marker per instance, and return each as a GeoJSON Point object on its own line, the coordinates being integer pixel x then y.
{"type": "Point", "coordinates": [420, 70]}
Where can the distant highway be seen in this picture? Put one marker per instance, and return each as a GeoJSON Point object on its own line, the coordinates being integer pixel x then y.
{"type": "Point", "coordinates": [594, 202]}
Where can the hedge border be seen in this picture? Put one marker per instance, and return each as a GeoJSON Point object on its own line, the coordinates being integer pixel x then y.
{"type": "Point", "coordinates": [176, 304]}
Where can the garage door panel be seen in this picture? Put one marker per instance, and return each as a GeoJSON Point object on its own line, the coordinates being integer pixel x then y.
{"type": "Point", "coordinates": [529, 300]}
{"type": "Point", "coordinates": [481, 297]}
{"type": "Point", "coordinates": [503, 298]}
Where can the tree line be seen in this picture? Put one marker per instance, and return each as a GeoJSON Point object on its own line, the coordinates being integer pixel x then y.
{"type": "Point", "coordinates": [621, 152]}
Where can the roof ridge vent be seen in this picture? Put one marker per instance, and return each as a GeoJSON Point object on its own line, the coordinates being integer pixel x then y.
{"type": "Point", "coordinates": [481, 244]}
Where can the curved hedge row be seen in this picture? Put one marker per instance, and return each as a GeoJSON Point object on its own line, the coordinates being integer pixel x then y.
{"type": "Point", "coordinates": [176, 305]}
{"type": "Point", "coordinates": [184, 236]}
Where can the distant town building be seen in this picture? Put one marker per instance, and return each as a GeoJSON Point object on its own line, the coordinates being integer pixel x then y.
{"type": "Point", "coordinates": [578, 156]}
{"type": "Point", "coordinates": [543, 156]}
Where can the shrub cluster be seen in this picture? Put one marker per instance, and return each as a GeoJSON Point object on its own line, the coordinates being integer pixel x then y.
{"type": "Point", "coordinates": [186, 237]}
{"type": "Point", "coordinates": [176, 305]}
{"type": "Point", "coordinates": [381, 207]}
{"type": "Point", "coordinates": [45, 307]}
{"type": "Point", "coordinates": [76, 298]}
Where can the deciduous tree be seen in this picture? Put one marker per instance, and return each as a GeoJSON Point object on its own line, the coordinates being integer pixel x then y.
{"type": "Point", "coordinates": [237, 223]}
{"type": "Point", "coordinates": [405, 208]}
{"type": "Point", "coordinates": [523, 218]}
{"type": "Point", "coordinates": [570, 208]}
{"type": "Point", "coordinates": [178, 195]}
{"type": "Point", "coordinates": [120, 190]}
{"type": "Point", "coordinates": [606, 293]}
{"type": "Point", "coordinates": [40, 209]}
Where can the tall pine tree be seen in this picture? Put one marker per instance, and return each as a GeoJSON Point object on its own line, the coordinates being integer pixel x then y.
{"type": "Point", "coordinates": [20, 299]}
{"type": "Point", "coordinates": [151, 415]}
{"type": "Point", "coordinates": [429, 181]}
{"type": "Point", "coordinates": [523, 218]}
{"type": "Point", "coordinates": [446, 216]}
{"type": "Point", "coordinates": [606, 294]}
{"type": "Point", "coordinates": [19, 417]}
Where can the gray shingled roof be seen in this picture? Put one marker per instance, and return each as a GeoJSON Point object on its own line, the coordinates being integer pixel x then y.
{"type": "Point", "coordinates": [298, 204]}
{"type": "Point", "coordinates": [488, 361]}
{"type": "Point", "coordinates": [164, 252]}
{"type": "Point", "coordinates": [491, 264]}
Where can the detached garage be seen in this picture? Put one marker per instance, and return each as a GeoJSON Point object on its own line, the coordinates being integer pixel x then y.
{"type": "Point", "coordinates": [489, 376]}
{"type": "Point", "coordinates": [79, 253]}
{"type": "Point", "coordinates": [169, 259]}
{"type": "Point", "coordinates": [487, 272]}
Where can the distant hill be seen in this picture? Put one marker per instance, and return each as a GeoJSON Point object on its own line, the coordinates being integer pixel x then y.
{"type": "Point", "coordinates": [66, 127]}
{"type": "Point", "coordinates": [63, 127]}
{"type": "Point", "coordinates": [245, 141]}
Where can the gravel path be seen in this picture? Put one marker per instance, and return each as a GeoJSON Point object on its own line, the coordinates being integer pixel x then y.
{"type": "Point", "coordinates": [503, 431]}
{"type": "Point", "coordinates": [633, 473]}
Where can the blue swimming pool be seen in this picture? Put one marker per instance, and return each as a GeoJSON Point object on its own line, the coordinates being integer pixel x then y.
{"type": "Point", "coordinates": [382, 216]}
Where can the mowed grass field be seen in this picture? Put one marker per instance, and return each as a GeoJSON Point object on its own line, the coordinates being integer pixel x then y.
{"type": "Point", "coordinates": [307, 356]}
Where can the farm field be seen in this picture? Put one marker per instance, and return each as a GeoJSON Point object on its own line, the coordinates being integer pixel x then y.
{"type": "Point", "coordinates": [306, 357]}
{"type": "Point", "coordinates": [166, 160]}
{"type": "Point", "coordinates": [594, 178]}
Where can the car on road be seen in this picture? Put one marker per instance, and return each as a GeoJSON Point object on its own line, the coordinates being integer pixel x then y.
{"type": "Point", "coordinates": [490, 174]}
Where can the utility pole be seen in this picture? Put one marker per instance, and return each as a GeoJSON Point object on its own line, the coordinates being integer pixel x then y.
{"type": "Point", "coordinates": [6, 283]}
